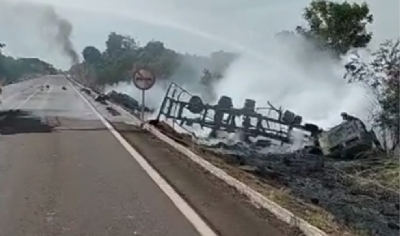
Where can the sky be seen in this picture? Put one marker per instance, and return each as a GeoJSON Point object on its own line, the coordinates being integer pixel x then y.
{"type": "Point", "coordinates": [195, 26]}
{"type": "Point", "coordinates": [267, 71]}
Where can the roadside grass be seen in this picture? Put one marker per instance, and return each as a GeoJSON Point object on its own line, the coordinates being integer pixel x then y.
{"type": "Point", "coordinates": [381, 169]}
{"type": "Point", "coordinates": [313, 215]}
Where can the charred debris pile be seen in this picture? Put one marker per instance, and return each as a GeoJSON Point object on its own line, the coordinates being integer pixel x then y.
{"type": "Point", "coordinates": [315, 171]}
{"type": "Point", "coordinates": [267, 128]}
{"type": "Point", "coordinates": [125, 101]}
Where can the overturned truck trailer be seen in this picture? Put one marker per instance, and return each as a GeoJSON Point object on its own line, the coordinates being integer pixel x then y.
{"type": "Point", "coordinates": [268, 123]}
{"type": "Point", "coordinates": [273, 124]}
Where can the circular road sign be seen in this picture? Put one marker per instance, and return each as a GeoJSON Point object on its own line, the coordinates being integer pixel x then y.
{"type": "Point", "coordinates": [143, 79]}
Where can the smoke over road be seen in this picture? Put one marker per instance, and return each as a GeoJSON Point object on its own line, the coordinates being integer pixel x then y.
{"type": "Point", "coordinates": [62, 34]}
{"type": "Point", "coordinates": [27, 27]}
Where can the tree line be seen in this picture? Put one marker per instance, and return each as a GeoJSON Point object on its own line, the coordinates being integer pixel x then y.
{"type": "Point", "coordinates": [123, 54]}
{"type": "Point", "coordinates": [13, 69]}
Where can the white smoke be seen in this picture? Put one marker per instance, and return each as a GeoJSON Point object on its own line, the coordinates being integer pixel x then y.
{"type": "Point", "coordinates": [298, 78]}
{"type": "Point", "coordinates": [293, 76]}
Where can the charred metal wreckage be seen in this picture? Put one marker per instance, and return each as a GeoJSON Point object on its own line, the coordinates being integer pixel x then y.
{"type": "Point", "coordinates": [259, 126]}
{"type": "Point", "coordinates": [124, 100]}
{"type": "Point", "coordinates": [274, 124]}
{"type": "Point", "coordinates": [224, 117]}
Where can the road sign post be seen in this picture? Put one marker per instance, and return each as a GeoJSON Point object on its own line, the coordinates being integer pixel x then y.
{"type": "Point", "coordinates": [143, 79]}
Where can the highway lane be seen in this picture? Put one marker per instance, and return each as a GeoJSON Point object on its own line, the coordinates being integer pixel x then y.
{"type": "Point", "coordinates": [12, 93]}
{"type": "Point", "coordinates": [63, 173]}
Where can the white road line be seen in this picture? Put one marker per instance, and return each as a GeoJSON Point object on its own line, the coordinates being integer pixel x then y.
{"type": "Point", "coordinates": [11, 97]}
{"type": "Point", "coordinates": [28, 98]}
{"type": "Point", "coordinates": [184, 208]}
{"type": "Point", "coordinates": [16, 93]}
{"type": "Point", "coordinates": [45, 100]}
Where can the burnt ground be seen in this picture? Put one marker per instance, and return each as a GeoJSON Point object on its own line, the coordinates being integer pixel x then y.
{"type": "Point", "coordinates": [316, 188]}
{"type": "Point", "coordinates": [20, 121]}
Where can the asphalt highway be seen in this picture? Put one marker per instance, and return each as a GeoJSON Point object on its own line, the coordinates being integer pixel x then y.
{"type": "Point", "coordinates": [73, 182]}
{"type": "Point", "coordinates": [64, 172]}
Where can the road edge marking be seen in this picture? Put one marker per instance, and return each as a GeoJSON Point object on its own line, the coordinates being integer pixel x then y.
{"type": "Point", "coordinates": [3, 101]}
{"type": "Point", "coordinates": [190, 214]}
{"type": "Point", "coordinates": [19, 106]}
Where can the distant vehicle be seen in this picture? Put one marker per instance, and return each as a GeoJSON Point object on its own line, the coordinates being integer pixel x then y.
{"type": "Point", "coordinates": [64, 88]}
{"type": "Point", "coordinates": [347, 140]}
{"type": "Point", "coordinates": [47, 86]}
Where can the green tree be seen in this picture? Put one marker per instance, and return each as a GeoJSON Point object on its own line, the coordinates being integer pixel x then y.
{"type": "Point", "coordinates": [162, 61]}
{"type": "Point", "coordinates": [92, 55]}
{"type": "Point", "coordinates": [119, 44]}
{"type": "Point", "coordinates": [382, 76]}
{"type": "Point", "coordinates": [337, 26]}
{"type": "Point", "coordinates": [13, 69]}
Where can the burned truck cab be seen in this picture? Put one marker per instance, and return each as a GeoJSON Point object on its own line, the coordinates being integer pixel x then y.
{"type": "Point", "coordinates": [347, 140]}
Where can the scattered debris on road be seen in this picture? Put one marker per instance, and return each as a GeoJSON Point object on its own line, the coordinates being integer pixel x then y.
{"type": "Point", "coordinates": [112, 111]}
{"type": "Point", "coordinates": [87, 91]}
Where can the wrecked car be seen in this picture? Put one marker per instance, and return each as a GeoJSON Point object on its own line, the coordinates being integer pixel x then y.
{"type": "Point", "coordinates": [349, 139]}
